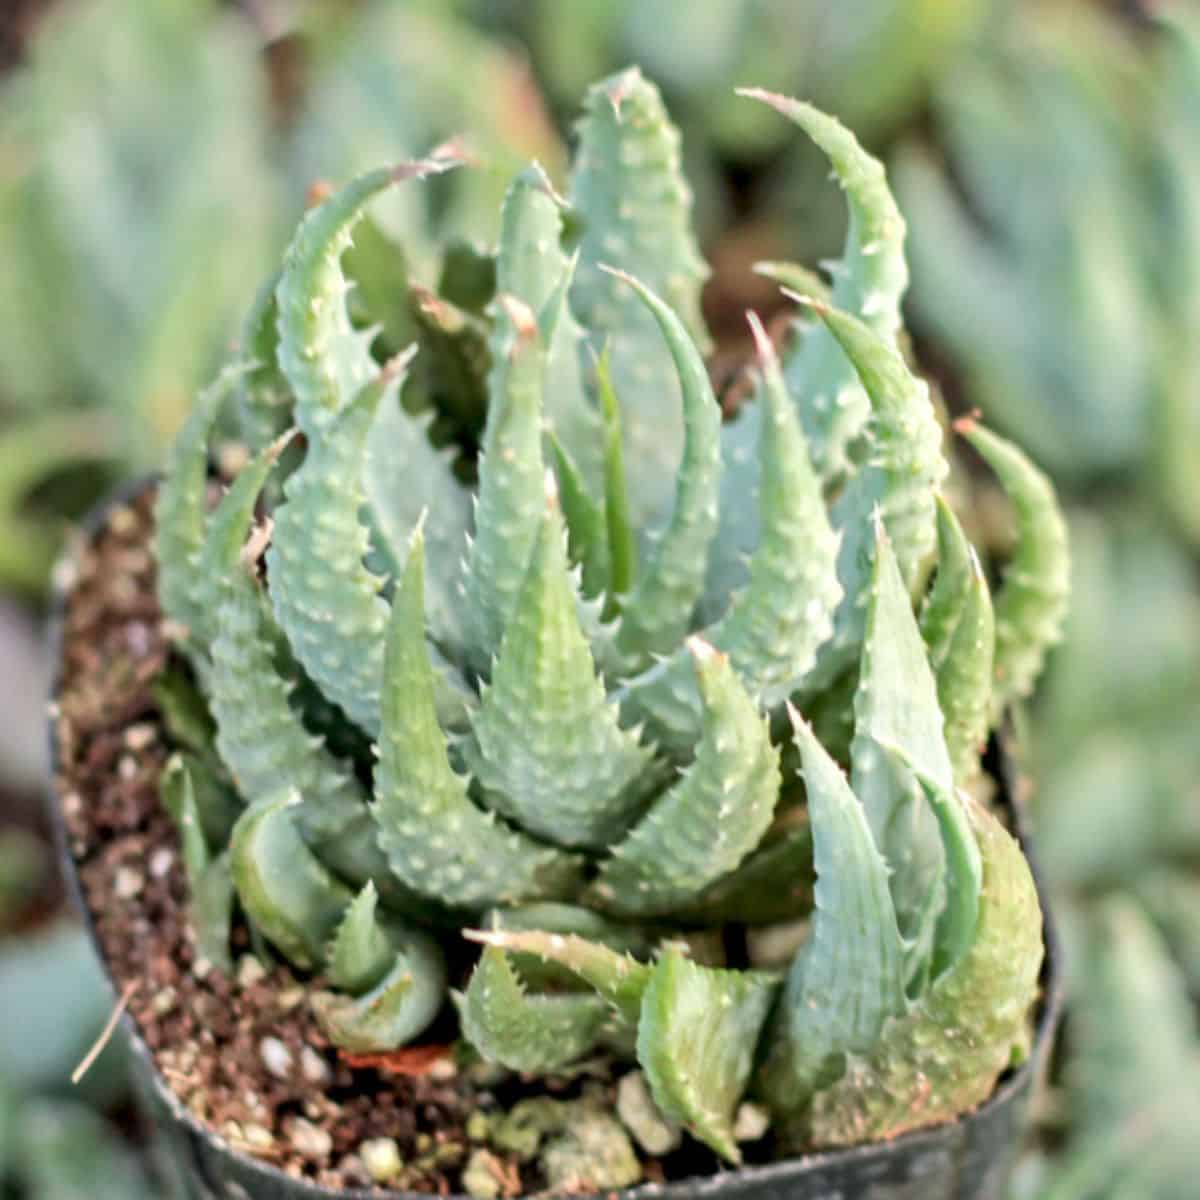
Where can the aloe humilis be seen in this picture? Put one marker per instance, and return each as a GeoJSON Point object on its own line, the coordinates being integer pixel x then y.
{"type": "Point", "coordinates": [557, 756]}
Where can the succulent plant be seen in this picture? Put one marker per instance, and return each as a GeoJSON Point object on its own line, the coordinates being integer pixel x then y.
{"type": "Point", "coordinates": [494, 707]}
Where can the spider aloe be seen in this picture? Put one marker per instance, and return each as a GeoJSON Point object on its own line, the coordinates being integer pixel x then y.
{"type": "Point", "coordinates": [556, 697]}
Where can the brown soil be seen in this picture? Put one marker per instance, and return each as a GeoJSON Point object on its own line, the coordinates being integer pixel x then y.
{"type": "Point", "coordinates": [206, 1030]}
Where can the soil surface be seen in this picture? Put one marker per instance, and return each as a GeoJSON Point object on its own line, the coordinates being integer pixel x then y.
{"type": "Point", "coordinates": [244, 1054]}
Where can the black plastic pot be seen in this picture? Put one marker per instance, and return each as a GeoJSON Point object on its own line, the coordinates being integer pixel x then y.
{"type": "Point", "coordinates": [969, 1159]}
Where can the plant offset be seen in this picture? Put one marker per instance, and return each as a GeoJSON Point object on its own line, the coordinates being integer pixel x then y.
{"type": "Point", "coordinates": [557, 710]}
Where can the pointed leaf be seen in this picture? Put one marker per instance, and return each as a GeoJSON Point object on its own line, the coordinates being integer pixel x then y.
{"type": "Point", "coordinates": [260, 739]}
{"type": "Point", "coordinates": [634, 206]}
{"type": "Point", "coordinates": [547, 749]}
{"type": "Point", "coordinates": [659, 611]}
{"type": "Point", "coordinates": [264, 398]}
{"type": "Point", "coordinates": [706, 825]}
{"type": "Point", "coordinates": [227, 529]}
{"type": "Point", "coordinates": [848, 977]}
{"type": "Point", "coordinates": [944, 1056]}
{"type": "Point", "coordinates": [896, 704]}
{"type": "Point", "coordinates": [697, 1039]}
{"type": "Point", "coordinates": [325, 599]}
{"type": "Point", "coordinates": [898, 478]}
{"type": "Point", "coordinates": [532, 266]}
{"type": "Point", "coordinates": [965, 676]}
{"type": "Point", "coordinates": [291, 898]}
{"type": "Point", "coordinates": [942, 609]}
{"type": "Point", "coordinates": [1032, 601]}
{"type": "Point", "coordinates": [869, 281]}
{"type": "Point", "coordinates": [403, 477]}
{"type": "Point", "coordinates": [436, 840]}
{"type": "Point", "coordinates": [326, 361]}
{"type": "Point", "coordinates": [397, 1009]}
{"type": "Point", "coordinates": [511, 496]}
{"type": "Point", "coordinates": [360, 953]}
{"type": "Point", "coordinates": [620, 979]}
{"type": "Point", "coordinates": [181, 509]}
{"type": "Point", "coordinates": [622, 545]}
{"type": "Point", "coordinates": [587, 529]}
{"type": "Point", "coordinates": [526, 1033]}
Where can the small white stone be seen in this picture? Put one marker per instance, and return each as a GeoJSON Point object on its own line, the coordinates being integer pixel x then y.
{"type": "Point", "coordinates": [161, 861]}
{"type": "Point", "coordinates": [128, 883]}
{"type": "Point", "coordinates": [641, 1116]}
{"type": "Point", "coordinates": [310, 1141]}
{"type": "Point", "coordinates": [250, 971]}
{"type": "Point", "coordinates": [258, 1137]}
{"type": "Point", "coordinates": [276, 1057]}
{"type": "Point", "coordinates": [314, 1068]}
{"type": "Point", "coordinates": [381, 1157]}
{"type": "Point", "coordinates": [751, 1122]}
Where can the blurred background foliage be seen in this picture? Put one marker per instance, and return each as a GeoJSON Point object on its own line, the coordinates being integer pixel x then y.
{"type": "Point", "coordinates": [1047, 156]}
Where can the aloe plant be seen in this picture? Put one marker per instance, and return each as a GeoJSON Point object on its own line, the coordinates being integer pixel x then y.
{"type": "Point", "coordinates": [559, 757]}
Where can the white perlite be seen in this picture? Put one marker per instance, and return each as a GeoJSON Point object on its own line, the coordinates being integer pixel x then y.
{"type": "Point", "coordinates": [641, 1116]}
{"type": "Point", "coordinates": [381, 1157]}
{"type": "Point", "coordinates": [276, 1057]}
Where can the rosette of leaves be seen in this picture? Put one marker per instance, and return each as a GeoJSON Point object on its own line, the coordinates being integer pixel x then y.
{"type": "Point", "coordinates": [558, 707]}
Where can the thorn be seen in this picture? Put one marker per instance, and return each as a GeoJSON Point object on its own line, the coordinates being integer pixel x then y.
{"type": "Point", "coordinates": [781, 103]}
{"type": "Point", "coordinates": [318, 192]}
{"type": "Point", "coordinates": [551, 486]}
{"type": "Point", "coordinates": [620, 88]}
{"type": "Point", "coordinates": [818, 306]}
{"type": "Point", "coordinates": [966, 424]}
{"type": "Point", "coordinates": [441, 159]}
{"type": "Point", "coordinates": [541, 180]}
{"type": "Point", "coordinates": [623, 276]}
{"type": "Point", "coordinates": [418, 530]}
{"type": "Point", "coordinates": [762, 343]}
{"type": "Point", "coordinates": [701, 650]}
{"type": "Point", "coordinates": [398, 363]}
{"type": "Point", "coordinates": [521, 315]}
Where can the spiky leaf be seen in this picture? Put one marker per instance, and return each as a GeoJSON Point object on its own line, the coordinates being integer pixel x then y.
{"type": "Point", "coordinates": [511, 496]}
{"type": "Point", "coordinates": [620, 979]}
{"type": "Point", "coordinates": [897, 704]}
{"type": "Point", "coordinates": [706, 825]}
{"type": "Point", "coordinates": [659, 611]}
{"type": "Point", "coordinates": [436, 840]}
{"type": "Point", "coordinates": [360, 953]}
{"type": "Point", "coordinates": [260, 738]}
{"type": "Point", "coordinates": [868, 282]}
{"type": "Point", "coordinates": [291, 898]}
{"type": "Point", "coordinates": [546, 747]}
{"type": "Point", "coordinates": [181, 510]}
{"type": "Point", "coordinates": [1032, 601]}
{"type": "Point", "coordinates": [531, 265]}
{"type": "Point", "coordinates": [523, 1032]}
{"type": "Point", "coordinates": [634, 205]}
{"type": "Point", "coordinates": [325, 598]}
{"type": "Point", "coordinates": [898, 479]}
{"type": "Point", "coordinates": [398, 1008]}
{"type": "Point", "coordinates": [944, 1056]}
{"type": "Point", "coordinates": [697, 1036]}
{"type": "Point", "coordinates": [848, 978]}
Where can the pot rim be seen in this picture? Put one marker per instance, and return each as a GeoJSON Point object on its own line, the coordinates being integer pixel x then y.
{"type": "Point", "coordinates": [691, 1188]}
